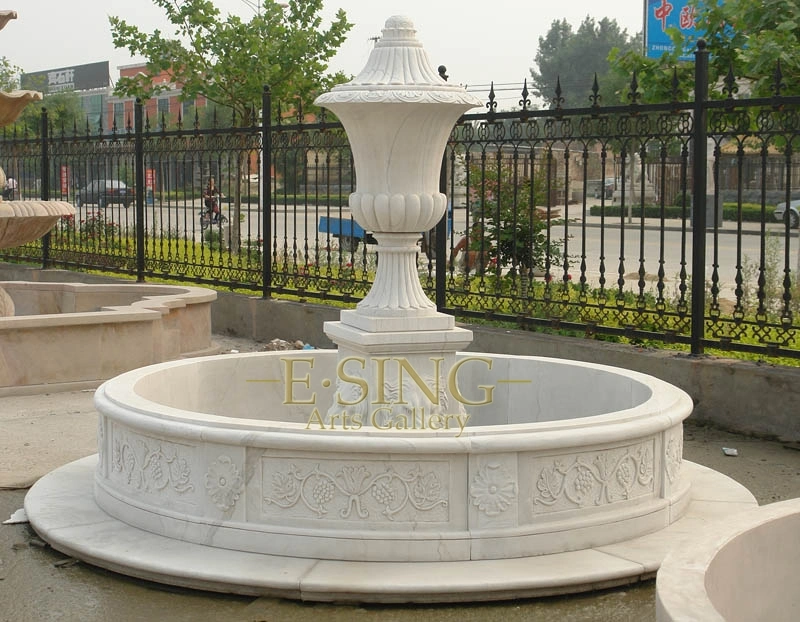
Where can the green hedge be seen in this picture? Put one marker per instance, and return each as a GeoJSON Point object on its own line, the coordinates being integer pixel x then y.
{"type": "Point", "coordinates": [750, 211]}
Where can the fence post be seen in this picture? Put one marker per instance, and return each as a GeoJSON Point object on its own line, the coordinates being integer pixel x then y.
{"type": "Point", "coordinates": [440, 241]}
{"type": "Point", "coordinates": [45, 188]}
{"type": "Point", "coordinates": [699, 171]}
{"type": "Point", "coordinates": [266, 182]}
{"type": "Point", "coordinates": [138, 118]}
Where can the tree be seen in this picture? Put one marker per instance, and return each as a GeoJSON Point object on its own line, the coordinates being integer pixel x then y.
{"type": "Point", "coordinates": [508, 230]}
{"type": "Point", "coordinates": [9, 75]}
{"type": "Point", "coordinates": [64, 112]}
{"type": "Point", "coordinates": [749, 36]}
{"type": "Point", "coordinates": [229, 60]}
{"type": "Point", "coordinates": [752, 36]}
{"type": "Point", "coordinates": [575, 58]}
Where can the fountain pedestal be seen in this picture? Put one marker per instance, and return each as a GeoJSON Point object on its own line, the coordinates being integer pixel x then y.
{"type": "Point", "coordinates": [22, 221]}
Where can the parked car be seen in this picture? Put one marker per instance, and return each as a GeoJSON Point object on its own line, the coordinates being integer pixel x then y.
{"type": "Point", "coordinates": [605, 186]}
{"type": "Point", "coordinates": [104, 192]}
{"type": "Point", "coordinates": [792, 215]}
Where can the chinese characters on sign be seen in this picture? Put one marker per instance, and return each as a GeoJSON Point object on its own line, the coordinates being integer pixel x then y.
{"type": "Point", "coordinates": [662, 12]}
{"type": "Point", "coordinates": [76, 78]}
{"type": "Point", "coordinates": [61, 80]}
{"type": "Point", "coordinates": [663, 15]}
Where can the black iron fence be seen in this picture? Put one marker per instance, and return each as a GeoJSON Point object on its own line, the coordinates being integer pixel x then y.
{"type": "Point", "coordinates": [642, 222]}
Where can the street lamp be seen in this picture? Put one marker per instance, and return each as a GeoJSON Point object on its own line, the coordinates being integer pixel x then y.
{"type": "Point", "coordinates": [256, 6]}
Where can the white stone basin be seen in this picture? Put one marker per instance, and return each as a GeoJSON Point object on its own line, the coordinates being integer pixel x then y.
{"type": "Point", "coordinates": [740, 568]}
{"type": "Point", "coordinates": [23, 221]}
{"type": "Point", "coordinates": [567, 456]}
{"type": "Point", "coordinates": [75, 335]}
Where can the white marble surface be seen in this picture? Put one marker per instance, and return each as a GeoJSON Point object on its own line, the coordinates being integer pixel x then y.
{"type": "Point", "coordinates": [74, 335]}
{"type": "Point", "coordinates": [242, 452]}
{"type": "Point", "coordinates": [62, 511]}
{"type": "Point", "coordinates": [737, 567]}
{"type": "Point", "coordinates": [398, 114]}
{"type": "Point", "coordinates": [23, 221]}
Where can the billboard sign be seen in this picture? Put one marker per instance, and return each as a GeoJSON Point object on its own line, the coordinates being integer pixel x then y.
{"type": "Point", "coordinates": [76, 78]}
{"type": "Point", "coordinates": [661, 15]}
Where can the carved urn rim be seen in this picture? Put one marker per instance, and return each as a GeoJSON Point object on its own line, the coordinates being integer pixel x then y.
{"type": "Point", "coordinates": [399, 71]}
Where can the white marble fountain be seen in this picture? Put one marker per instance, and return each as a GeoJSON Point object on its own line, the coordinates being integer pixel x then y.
{"type": "Point", "coordinates": [22, 221]}
{"type": "Point", "coordinates": [60, 336]}
{"type": "Point", "coordinates": [396, 468]}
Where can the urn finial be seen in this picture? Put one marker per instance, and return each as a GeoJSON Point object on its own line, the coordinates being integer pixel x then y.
{"type": "Point", "coordinates": [399, 70]}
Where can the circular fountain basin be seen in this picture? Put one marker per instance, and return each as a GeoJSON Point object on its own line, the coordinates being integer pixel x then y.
{"type": "Point", "coordinates": [232, 452]}
{"type": "Point", "coordinates": [743, 567]}
{"type": "Point", "coordinates": [217, 474]}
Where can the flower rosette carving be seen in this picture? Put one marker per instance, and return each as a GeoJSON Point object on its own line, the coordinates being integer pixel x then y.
{"type": "Point", "coordinates": [224, 483]}
{"type": "Point", "coordinates": [493, 490]}
{"type": "Point", "coordinates": [351, 486]}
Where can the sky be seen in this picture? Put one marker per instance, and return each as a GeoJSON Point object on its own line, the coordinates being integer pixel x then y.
{"type": "Point", "coordinates": [478, 42]}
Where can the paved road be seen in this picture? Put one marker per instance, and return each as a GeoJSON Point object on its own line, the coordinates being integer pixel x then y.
{"type": "Point", "coordinates": [727, 249]}
{"type": "Point", "coordinates": [299, 225]}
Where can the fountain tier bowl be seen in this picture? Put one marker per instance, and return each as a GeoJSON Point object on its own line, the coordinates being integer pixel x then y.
{"type": "Point", "coordinates": [238, 452]}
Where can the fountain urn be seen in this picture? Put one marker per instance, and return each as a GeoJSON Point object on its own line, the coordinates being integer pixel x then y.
{"type": "Point", "coordinates": [398, 114]}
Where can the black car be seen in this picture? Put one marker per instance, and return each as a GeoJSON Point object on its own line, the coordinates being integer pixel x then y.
{"type": "Point", "coordinates": [105, 192]}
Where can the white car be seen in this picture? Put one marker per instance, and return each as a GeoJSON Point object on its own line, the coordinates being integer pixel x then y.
{"type": "Point", "coordinates": [792, 215]}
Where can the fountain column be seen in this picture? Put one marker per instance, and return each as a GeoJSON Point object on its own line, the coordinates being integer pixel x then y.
{"type": "Point", "coordinates": [396, 350]}
{"type": "Point", "coordinates": [22, 221]}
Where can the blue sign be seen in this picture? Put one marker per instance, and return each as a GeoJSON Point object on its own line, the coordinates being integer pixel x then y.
{"type": "Point", "coordinates": [664, 14]}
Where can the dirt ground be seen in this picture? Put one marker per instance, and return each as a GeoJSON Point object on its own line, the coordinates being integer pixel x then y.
{"type": "Point", "coordinates": [38, 584]}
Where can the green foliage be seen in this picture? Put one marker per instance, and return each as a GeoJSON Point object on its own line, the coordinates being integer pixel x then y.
{"type": "Point", "coordinates": [228, 60]}
{"type": "Point", "coordinates": [508, 227]}
{"type": "Point", "coordinates": [213, 238]}
{"type": "Point", "coordinates": [64, 112]}
{"type": "Point", "coordinates": [730, 211]}
{"type": "Point", "coordinates": [750, 36]}
{"type": "Point", "coordinates": [576, 57]}
{"type": "Point", "coordinates": [654, 77]}
{"type": "Point", "coordinates": [97, 230]}
{"type": "Point", "coordinates": [9, 75]}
